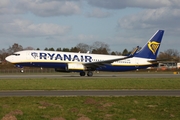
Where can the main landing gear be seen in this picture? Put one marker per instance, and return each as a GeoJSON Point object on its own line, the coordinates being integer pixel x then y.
{"type": "Point", "coordinates": [89, 73]}
{"type": "Point", "coordinates": [82, 73]}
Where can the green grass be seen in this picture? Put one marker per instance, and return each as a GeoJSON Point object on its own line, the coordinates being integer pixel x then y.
{"type": "Point", "coordinates": [85, 108]}
{"type": "Point", "coordinates": [89, 83]}
{"type": "Point", "coordinates": [94, 108]}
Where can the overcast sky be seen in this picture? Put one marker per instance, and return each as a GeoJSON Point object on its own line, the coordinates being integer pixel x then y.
{"type": "Point", "coordinates": [65, 23]}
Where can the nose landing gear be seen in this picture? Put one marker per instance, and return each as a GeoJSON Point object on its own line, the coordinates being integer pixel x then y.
{"type": "Point", "coordinates": [21, 70]}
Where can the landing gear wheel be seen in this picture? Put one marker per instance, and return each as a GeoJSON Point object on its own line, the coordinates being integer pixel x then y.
{"type": "Point", "coordinates": [82, 73]}
{"type": "Point", "coordinates": [90, 73]}
{"type": "Point", "coordinates": [21, 70]}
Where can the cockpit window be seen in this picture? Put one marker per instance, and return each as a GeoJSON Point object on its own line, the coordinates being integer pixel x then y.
{"type": "Point", "coordinates": [16, 54]}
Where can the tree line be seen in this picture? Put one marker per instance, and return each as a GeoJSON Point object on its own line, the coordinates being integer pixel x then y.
{"type": "Point", "coordinates": [96, 48]}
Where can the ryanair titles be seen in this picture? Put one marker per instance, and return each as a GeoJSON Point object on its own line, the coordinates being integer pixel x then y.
{"type": "Point", "coordinates": [62, 57]}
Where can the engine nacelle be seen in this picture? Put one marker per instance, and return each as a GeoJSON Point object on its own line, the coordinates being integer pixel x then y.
{"type": "Point", "coordinates": [71, 67]}
{"type": "Point", "coordinates": [75, 66]}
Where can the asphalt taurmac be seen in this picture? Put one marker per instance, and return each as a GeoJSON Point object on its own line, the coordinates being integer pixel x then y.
{"type": "Point", "coordinates": [109, 75]}
{"type": "Point", "coordinates": [62, 93]}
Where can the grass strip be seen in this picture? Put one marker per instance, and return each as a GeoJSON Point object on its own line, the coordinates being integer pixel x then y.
{"type": "Point", "coordinates": [89, 83]}
{"type": "Point", "coordinates": [86, 108]}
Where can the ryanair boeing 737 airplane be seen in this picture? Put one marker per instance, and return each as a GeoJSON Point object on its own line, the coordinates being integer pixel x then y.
{"type": "Point", "coordinates": [87, 63]}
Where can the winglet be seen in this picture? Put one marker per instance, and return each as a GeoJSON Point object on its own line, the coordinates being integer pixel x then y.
{"type": "Point", "coordinates": [134, 52]}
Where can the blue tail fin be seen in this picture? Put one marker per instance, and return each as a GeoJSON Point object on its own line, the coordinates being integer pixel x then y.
{"type": "Point", "coordinates": [151, 48]}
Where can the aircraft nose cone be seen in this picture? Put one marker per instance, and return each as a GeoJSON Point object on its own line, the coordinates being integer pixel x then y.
{"type": "Point", "coordinates": [8, 58]}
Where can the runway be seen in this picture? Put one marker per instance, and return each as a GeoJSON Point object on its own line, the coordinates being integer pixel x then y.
{"type": "Point", "coordinates": [74, 75]}
{"type": "Point", "coordinates": [64, 93]}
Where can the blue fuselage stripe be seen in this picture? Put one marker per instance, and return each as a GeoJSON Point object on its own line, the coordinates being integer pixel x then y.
{"type": "Point", "coordinates": [64, 66]}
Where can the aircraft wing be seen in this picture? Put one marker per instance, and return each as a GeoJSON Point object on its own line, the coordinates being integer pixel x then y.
{"type": "Point", "coordinates": [107, 62]}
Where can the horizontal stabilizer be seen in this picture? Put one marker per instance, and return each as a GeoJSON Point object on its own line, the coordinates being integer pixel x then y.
{"type": "Point", "coordinates": [158, 60]}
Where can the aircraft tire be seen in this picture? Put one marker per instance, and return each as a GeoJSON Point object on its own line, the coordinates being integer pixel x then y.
{"type": "Point", "coordinates": [90, 73]}
{"type": "Point", "coordinates": [82, 73]}
{"type": "Point", "coordinates": [21, 70]}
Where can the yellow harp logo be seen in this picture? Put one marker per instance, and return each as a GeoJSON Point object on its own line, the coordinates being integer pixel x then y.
{"type": "Point", "coordinates": [153, 46]}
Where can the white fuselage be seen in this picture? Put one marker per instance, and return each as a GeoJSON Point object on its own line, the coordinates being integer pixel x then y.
{"type": "Point", "coordinates": [74, 61]}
